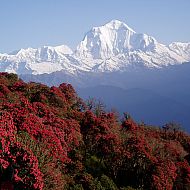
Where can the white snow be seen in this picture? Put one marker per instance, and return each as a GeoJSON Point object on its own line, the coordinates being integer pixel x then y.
{"type": "Point", "coordinates": [108, 48]}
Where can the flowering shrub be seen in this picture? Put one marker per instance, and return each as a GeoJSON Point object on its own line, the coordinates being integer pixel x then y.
{"type": "Point", "coordinates": [25, 172]}
{"type": "Point", "coordinates": [51, 140]}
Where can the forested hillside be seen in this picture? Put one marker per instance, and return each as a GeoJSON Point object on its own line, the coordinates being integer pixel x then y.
{"type": "Point", "coordinates": [51, 139]}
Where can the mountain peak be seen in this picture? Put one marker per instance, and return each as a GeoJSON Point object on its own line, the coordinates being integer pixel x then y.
{"type": "Point", "coordinates": [116, 24]}
{"type": "Point", "coordinates": [113, 38]}
{"type": "Point", "coordinates": [63, 49]}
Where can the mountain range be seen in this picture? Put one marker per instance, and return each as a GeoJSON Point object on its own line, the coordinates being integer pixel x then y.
{"type": "Point", "coordinates": [127, 70]}
{"type": "Point", "coordinates": [108, 48]}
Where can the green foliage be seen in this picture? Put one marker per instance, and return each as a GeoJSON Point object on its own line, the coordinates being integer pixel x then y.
{"type": "Point", "coordinates": [108, 183]}
{"type": "Point", "coordinates": [127, 188]}
{"type": "Point", "coordinates": [12, 78]}
{"type": "Point", "coordinates": [76, 187]}
{"type": "Point", "coordinates": [95, 166]}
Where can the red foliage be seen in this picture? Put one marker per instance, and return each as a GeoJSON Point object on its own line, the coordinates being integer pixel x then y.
{"type": "Point", "coordinates": [164, 175]}
{"type": "Point", "coordinates": [45, 133]}
{"type": "Point", "coordinates": [40, 121]}
{"type": "Point", "coordinates": [13, 155]}
{"type": "Point", "coordinates": [129, 124]}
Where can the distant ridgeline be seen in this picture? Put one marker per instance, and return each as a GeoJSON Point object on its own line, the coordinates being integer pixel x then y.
{"type": "Point", "coordinates": [51, 139]}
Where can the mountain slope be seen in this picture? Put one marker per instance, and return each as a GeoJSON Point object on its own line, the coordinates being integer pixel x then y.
{"type": "Point", "coordinates": [50, 139]}
{"type": "Point", "coordinates": [115, 46]}
{"type": "Point", "coordinates": [46, 59]}
{"type": "Point", "coordinates": [108, 48]}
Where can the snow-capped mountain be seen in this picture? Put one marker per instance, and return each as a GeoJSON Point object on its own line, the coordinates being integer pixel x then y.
{"type": "Point", "coordinates": [46, 59]}
{"type": "Point", "coordinates": [115, 46]}
{"type": "Point", "coordinates": [111, 47]}
{"type": "Point", "coordinates": [112, 39]}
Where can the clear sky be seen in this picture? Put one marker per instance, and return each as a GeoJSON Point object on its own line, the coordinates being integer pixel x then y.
{"type": "Point", "coordinates": [34, 23]}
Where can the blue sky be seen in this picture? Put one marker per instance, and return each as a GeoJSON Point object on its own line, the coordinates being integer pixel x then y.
{"type": "Point", "coordinates": [34, 23]}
